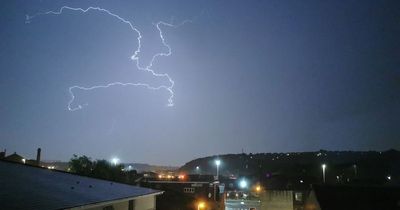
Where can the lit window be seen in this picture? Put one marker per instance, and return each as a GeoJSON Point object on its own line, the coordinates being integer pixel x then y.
{"type": "Point", "coordinates": [298, 196]}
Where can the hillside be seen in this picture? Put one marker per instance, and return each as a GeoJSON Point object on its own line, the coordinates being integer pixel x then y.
{"type": "Point", "coordinates": [342, 166]}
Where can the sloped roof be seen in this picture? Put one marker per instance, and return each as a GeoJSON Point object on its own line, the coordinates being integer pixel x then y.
{"type": "Point", "coordinates": [29, 187]}
{"type": "Point", "coordinates": [14, 157]}
{"type": "Point", "coordinates": [357, 197]}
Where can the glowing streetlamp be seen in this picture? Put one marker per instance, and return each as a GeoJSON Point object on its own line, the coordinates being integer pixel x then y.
{"type": "Point", "coordinates": [217, 163]}
{"type": "Point", "coordinates": [243, 184]}
{"type": "Point", "coordinates": [114, 161]}
{"type": "Point", "coordinates": [201, 205]}
{"type": "Point", "coordinates": [258, 188]}
{"type": "Point", "coordinates": [323, 171]}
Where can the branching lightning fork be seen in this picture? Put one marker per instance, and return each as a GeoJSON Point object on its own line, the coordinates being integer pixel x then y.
{"type": "Point", "coordinates": [134, 57]}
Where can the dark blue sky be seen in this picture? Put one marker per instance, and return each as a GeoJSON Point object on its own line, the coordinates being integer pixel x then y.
{"type": "Point", "coordinates": [265, 76]}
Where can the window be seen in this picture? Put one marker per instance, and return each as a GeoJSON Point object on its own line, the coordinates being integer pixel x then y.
{"type": "Point", "coordinates": [298, 196]}
{"type": "Point", "coordinates": [188, 190]}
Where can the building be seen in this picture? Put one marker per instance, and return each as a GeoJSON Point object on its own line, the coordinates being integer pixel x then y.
{"type": "Point", "coordinates": [186, 194]}
{"type": "Point", "coordinates": [31, 187]}
{"type": "Point", "coordinates": [15, 158]}
{"type": "Point", "coordinates": [196, 189]}
{"type": "Point", "coordinates": [262, 200]}
{"type": "Point", "coordinates": [19, 159]}
{"type": "Point", "coordinates": [242, 204]}
{"type": "Point", "coordinates": [353, 197]}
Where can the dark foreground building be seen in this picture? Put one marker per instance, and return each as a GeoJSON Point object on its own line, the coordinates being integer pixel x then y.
{"type": "Point", "coordinates": [353, 198]}
{"type": "Point", "coordinates": [187, 195]}
{"type": "Point", "coordinates": [30, 187]}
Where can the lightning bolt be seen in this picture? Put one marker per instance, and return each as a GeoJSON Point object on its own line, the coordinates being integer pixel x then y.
{"type": "Point", "coordinates": [135, 57]}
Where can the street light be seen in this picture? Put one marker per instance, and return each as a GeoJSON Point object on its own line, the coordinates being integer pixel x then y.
{"type": "Point", "coordinates": [323, 171]}
{"type": "Point", "coordinates": [243, 184]}
{"type": "Point", "coordinates": [201, 205]}
{"type": "Point", "coordinates": [355, 170]}
{"type": "Point", "coordinates": [217, 163]}
{"type": "Point", "coordinates": [114, 161]}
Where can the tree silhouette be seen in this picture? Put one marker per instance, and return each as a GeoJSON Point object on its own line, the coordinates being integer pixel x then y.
{"type": "Point", "coordinates": [101, 169]}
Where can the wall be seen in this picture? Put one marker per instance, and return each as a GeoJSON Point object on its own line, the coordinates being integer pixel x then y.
{"type": "Point", "coordinates": [277, 200]}
{"type": "Point", "coordinates": [141, 203]}
{"type": "Point", "coordinates": [145, 203]}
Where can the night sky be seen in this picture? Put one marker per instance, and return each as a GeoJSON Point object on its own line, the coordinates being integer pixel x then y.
{"type": "Point", "coordinates": [263, 76]}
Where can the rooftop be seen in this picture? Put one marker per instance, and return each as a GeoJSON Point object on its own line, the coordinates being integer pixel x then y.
{"type": "Point", "coordinates": [29, 187]}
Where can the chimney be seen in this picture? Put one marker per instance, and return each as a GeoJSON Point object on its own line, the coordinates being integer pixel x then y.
{"type": "Point", "coordinates": [38, 156]}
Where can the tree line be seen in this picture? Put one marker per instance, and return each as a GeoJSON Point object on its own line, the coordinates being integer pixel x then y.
{"type": "Point", "coordinates": [102, 169]}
